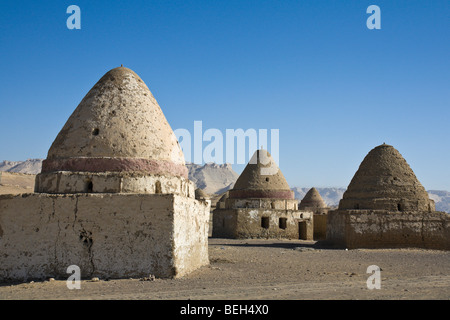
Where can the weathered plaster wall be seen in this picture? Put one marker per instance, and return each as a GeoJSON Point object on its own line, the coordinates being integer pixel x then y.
{"type": "Point", "coordinates": [247, 223]}
{"type": "Point", "coordinates": [316, 210]}
{"type": "Point", "coordinates": [278, 204]}
{"type": "Point", "coordinates": [224, 223]}
{"type": "Point", "coordinates": [112, 182]}
{"type": "Point", "coordinates": [106, 235]}
{"type": "Point", "coordinates": [191, 231]}
{"type": "Point", "coordinates": [320, 226]}
{"type": "Point", "coordinates": [384, 229]}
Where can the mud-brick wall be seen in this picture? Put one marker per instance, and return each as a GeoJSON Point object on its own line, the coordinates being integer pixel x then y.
{"type": "Point", "coordinates": [106, 235]}
{"type": "Point", "coordinates": [112, 182]}
{"type": "Point", "coordinates": [262, 223]}
{"type": "Point", "coordinates": [320, 226]}
{"type": "Point", "coordinates": [382, 229]}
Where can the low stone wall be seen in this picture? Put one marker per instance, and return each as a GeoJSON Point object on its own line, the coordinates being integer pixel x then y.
{"type": "Point", "coordinates": [384, 229]}
{"type": "Point", "coordinates": [262, 223]}
{"type": "Point", "coordinates": [106, 235]}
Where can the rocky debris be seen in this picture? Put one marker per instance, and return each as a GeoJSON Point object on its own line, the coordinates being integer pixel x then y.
{"type": "Point", "coordinates": [149, 278]}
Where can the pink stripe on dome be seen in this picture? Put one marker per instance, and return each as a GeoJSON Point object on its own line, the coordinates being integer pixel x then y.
{"type": "Point", "coordinates": [114, 165]}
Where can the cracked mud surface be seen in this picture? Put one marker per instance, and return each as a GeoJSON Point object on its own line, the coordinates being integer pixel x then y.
{"type": "Point", "coordinates": [272, 269]}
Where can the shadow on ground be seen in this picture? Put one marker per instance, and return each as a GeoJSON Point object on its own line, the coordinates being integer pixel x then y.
{"type": "Point", "coordinates": [273, 243]}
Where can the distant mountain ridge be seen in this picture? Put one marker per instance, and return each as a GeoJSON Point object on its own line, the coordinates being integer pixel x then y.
{"type": "Point", "coordinates": [217, 178]}
{"type": "Point", "coordinates": [441, 199]}
{"type": "Point", "coordinates": [211, 177]}
{"type": "Point", "coordinates": [30, 166]}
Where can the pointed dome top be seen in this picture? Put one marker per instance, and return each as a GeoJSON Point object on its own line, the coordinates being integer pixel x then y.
{"type": "Point", "coordinates": [200, 194]}
{"type": "Point", "coordinates": [118, 126]}
{"type": "Point", "coordinates": [261, 177]}
{"type": "Point", "coordinates": [261, 173]}
{"type": "Point", "coordinates": [119, 117]}
{"type": "Point", "coordinates": [384, 180]}
{"type": "Point", "coordinates": [312, 199]}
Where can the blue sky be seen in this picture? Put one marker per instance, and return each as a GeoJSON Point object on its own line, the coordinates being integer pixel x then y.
{"type": "Point", "coordinates": [311, 69]}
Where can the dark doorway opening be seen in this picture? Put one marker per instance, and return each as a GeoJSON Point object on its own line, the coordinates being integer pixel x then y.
{"type": "Point", "coordinates": [302, 235]}
{"type": "Point", "coordinates": [265, 222]}
{"type": "Point", "coordinates": [282, 223]}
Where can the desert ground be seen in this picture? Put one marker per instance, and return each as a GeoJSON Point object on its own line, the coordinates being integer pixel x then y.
{"type": "Point", "coordinates": [16, 183]}
{"type": "Point", "coordinates": [260, 269]}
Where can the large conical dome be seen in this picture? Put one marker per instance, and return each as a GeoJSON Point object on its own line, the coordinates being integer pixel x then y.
{"type": "Point", "coordinates": [261, 178]}
{"type": "Point", "coordinates": [119, 117]}
{"type": "Point", "coordinates": [385, 181]}
{"type": "Point", "coordinates": [312, 199]}
{"type": "Point", "coordinates": [117, 136]}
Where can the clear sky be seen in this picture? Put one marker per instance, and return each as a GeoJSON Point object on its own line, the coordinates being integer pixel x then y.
{"type": "Point", "coordinates": [311, 69]}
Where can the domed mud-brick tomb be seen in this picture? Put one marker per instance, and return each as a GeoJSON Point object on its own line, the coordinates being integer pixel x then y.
{"type": "Point", "coordinates": [117, 140]}
{"type": "Point", "coordinates": [312, 201]}
{"type": "Point", "coordinates": [385, 206]}
{"type": "Point", "coordinates": [385, 181]}
{"type": "Point", "coordinates": [261, 205]}
{"type": "Point", "coordinates": [113, 196]}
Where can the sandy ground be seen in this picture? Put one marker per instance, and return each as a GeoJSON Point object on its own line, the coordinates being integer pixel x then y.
{"type": "Point", "coordinates": [272, 270]}
{"type": "Point", "coordinates": [16, 183]}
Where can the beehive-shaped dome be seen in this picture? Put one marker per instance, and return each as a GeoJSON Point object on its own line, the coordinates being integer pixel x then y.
{"type": "Point", "coordinates": [119, 117]}
{"type": "Point", "coordinates": [117, 128]}
{"type": "Point", "coordinates": [385, 181]}
{"type": "Point", "coordinates": [261, 178]}
{"type": "Point", "coordinates": [312, 199]}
